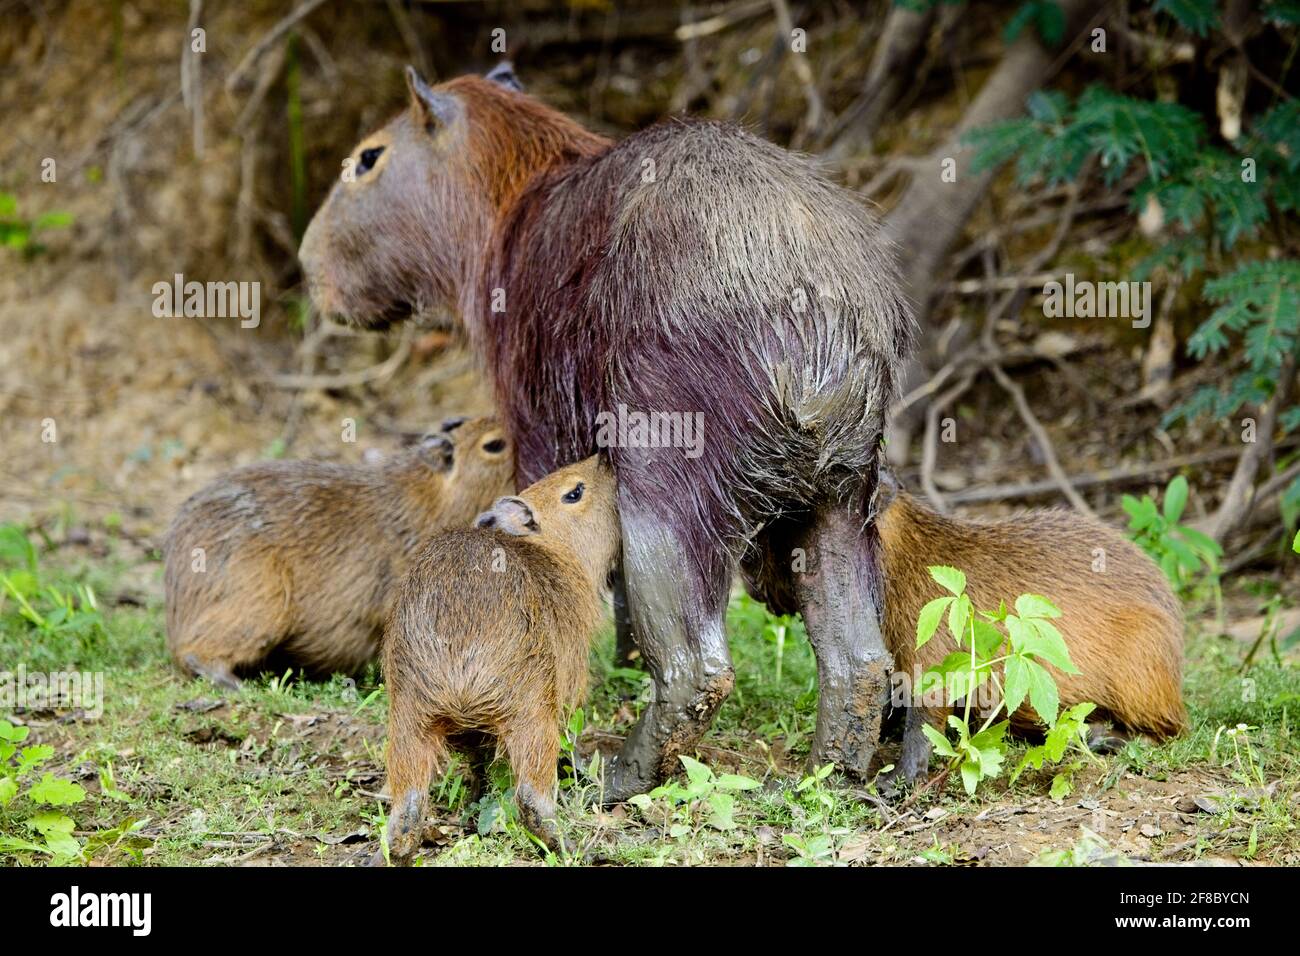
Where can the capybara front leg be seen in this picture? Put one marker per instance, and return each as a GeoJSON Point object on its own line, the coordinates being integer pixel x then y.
{"type": "Point", "coordinates": [836, 592]}
{"type": "Point", "coordinates": [677, 610]}
{"type": "Point", "coordinates": [412, 762]}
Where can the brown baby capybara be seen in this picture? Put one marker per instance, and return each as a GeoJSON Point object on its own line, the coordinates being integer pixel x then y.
{"type": "Point", "coordinates": [1119, 618]}
{"type": "Point", "coordinates": [490, 637]}
{"type": "Point", "coordinates": [722, 295]}
{"type": "Point", "coordinates": [302, 558]}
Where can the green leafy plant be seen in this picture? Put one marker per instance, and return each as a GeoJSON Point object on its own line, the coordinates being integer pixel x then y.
{"type": "Point", "coordinates": [703, 799]}
{"type": "Point", "coordinates": [44, 607]}
{"type": "Point", "coordinates": [21, 234]}
{"type": "Point", "coordinates": [1183, 553]}
{"type": "Point", "coordinates": [31, 820]}
{"type": "Point", "coordinates": [1008, 651]}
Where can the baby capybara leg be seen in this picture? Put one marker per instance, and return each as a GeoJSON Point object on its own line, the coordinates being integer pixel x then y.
{"type": "Point", "coordinates": [914, 760]}
{"type": "Point", "coordinates": [677, 610]}
{"type": "Point", "coordinates": [214, 649]}
{"type": "Point", "coordinates": [413, 759]}
{"type": "Point", "coordinates": [532, 747]}
{"type": "Point", "coordinates": [836, 595]}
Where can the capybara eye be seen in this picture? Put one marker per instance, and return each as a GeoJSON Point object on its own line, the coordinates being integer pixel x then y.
{"type": "Point", "coordinates": [573, 496]}
{"type": "Point", "coordinates": [494, 447]}
{"type": "Point", "coordinates": [368, 159]}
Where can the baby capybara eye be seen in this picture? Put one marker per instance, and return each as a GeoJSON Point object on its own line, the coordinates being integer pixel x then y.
{"type": "Point", "coordinates": [368, 159]}
{"type": "Point", "coordinates": [574, 496]}
{"type": "Point", "coordinates": [494, 447]}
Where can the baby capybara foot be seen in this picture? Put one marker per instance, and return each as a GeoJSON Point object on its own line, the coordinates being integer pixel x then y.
{"type": "Point", "coordinates": [405, 827]}
{"type": "Point", "coordinates": [218, 672]}
{"type": "Point", "coordinates": [537, 812]}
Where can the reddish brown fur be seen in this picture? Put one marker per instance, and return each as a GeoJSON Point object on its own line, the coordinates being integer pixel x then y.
{"type": "Point", "coordinates": [1123, 626]}
{"type": "Point", "coordinates": [490, 635]}
{"type": "Point", "coordinates": [303, 557]}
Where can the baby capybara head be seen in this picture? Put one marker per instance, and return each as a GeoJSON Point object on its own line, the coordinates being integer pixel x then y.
{"type": "Point", "coordinates": [573, 510]}
{"type": "Point", "coordinates": [482, 466]}
{"type": "Point", "coordinates": [419, 196]}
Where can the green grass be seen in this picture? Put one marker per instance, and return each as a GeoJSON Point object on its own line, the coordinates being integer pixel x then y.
{"type": "Point", "coordinates": [287, 769]}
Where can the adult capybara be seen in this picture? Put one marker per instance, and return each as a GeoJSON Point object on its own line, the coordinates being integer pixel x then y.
{"type": "Point", "coordinates": [490, 636]}
{"type": "Point", "coordinates": [1120, 620]}
{"type": "Point", "coordinates": [303, 558]}
{"type": "Point", "coordinates": [715, 294]}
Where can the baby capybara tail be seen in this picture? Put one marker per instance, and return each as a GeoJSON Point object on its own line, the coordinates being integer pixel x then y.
{"type": "Point", "coordinates": [839, 596]}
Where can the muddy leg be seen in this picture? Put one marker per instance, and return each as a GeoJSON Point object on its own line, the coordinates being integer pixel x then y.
{"type": "Point", "coordinates": [532, 748]}
{"type": "Point", "coordinates": [677, 609]}
{"type": "Point", "coordinates": [625, 649]}
{"type": "Point", "coordinates": [836, 594]}
{"type": "Point", "coordinates": [412, 762]}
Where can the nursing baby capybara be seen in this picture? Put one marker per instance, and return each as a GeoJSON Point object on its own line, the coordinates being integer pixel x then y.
{"type": "Point", "coordinates": [718, 295]}
{"type": "Point", "coordinates": [490, 636]}
{"type": "Point", "coordinates": [303, 558]}
{"type": "Point", "coordinates": [1120, 620]}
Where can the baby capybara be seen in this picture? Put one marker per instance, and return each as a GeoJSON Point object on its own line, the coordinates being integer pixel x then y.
{"type": "Point", "coordinates": [490, 637]}
{"type": "Point", "coordinates": [303, 558]}
{"type": "Point", "coordinates": [1120, 620]}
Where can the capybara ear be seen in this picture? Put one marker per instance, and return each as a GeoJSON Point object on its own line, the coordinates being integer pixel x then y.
{"type": "Point", "coordinates": [504, 74]}
{"type": "Point", "coordinates": [429, 109]}
{"type": "Point", "coordinates": [451, 424]}
{"type": "Point", "coordinates": [436, 451]}
{"type": "Point", "coordinates": [515, 516]}
{"type": "Point", "coordinates": [486, 520]}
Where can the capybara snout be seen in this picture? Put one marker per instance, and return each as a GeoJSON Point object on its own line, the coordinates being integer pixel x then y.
{"type": "Point", "coordinates": [490, 634]}
{"type": "Point", "coordinates": [303, 558]}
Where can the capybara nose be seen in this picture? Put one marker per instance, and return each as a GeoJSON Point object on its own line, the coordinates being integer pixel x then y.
{"type": "Point", "coordinates": [486, 520]}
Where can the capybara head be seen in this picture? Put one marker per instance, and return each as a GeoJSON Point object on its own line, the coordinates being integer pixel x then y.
{"type": "Point", "coordinates": [419, 196]}
{"type": "Point", "coordinates": [572, 510]}
{"type": "Point", "coordinates": [482, 466]}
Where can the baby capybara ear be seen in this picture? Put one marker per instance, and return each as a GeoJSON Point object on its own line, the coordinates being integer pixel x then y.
{"type": "Point", "coordinates": [436, 451]}
{"type": "Point", "coordinates": [504, 74]}
{"type": "Point", "coordinates": [451, 424]}
{"type": "Point", "coordinates": [513, 516]}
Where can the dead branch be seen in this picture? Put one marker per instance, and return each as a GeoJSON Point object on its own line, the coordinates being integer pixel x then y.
{"type": "Point", "coordinates": [1044, 441]}
{"type": "Point", "coordinates": [272, 37]}
{"type": "Point", "coordinates": [1240, 496]}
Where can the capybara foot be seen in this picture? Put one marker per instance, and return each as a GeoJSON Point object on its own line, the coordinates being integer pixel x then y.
{"type": "Point", "coordinates": [1107, 740]}
{"type": "Point", "coordinates": [218, 672]}
{"type": "Point", "coordinates": [405, 827]}
{"type": "Point", "coordinates": [537, 812]}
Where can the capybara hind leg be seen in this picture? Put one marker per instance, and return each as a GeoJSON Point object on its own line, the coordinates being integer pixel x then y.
{"type": "Point", "coordinates": [836, 594]}
{"type": "Point", "coordinates": [914, 760]}
{"type": "Point", "coordinates": [532, 748]}
{"type": "Point", "coordinates": [218, 672]}
{"type": "Point", "coordinates": [625, 649]}
{"type": "Point", "coordinates": [412, 762]}
{"type": "Point", "coordinates": [677, 610]}
{"type": "Point", "coordinates": [1104, 739]}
